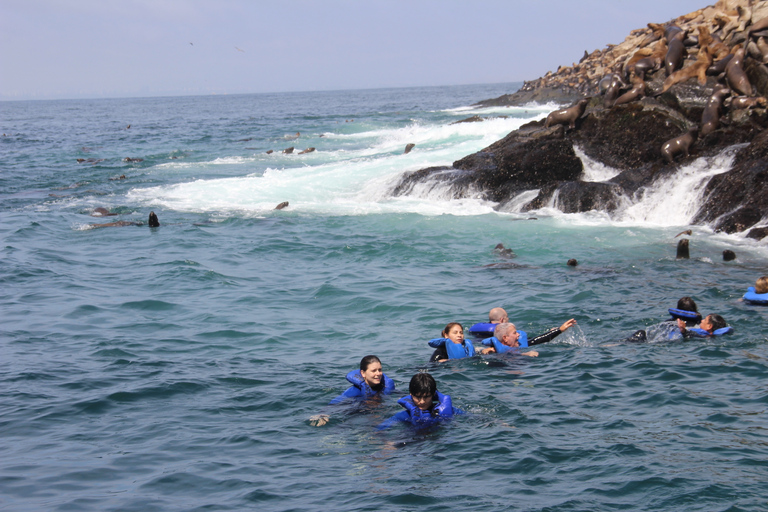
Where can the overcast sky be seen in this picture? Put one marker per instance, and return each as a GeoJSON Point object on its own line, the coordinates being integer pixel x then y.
{"type": "Point", "coordinates": [123, 48]}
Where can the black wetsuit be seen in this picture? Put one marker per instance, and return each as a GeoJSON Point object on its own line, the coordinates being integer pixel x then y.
{"type": "Point", "coordinates": [441, 353]}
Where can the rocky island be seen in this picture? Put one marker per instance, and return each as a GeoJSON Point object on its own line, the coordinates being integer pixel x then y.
{"type": "Point", "coordinates": [671, 92]}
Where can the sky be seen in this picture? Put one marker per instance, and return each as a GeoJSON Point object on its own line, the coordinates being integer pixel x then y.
{"type": "Point", "coordinates": [58, 49]}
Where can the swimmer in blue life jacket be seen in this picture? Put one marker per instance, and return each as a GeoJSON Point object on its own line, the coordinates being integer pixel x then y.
{"type": "Point", "coordinates": [367, 382]}
{"type": "Point", "coordinates": [452, 345]}
{"type": "Point", "coordinates": [711, 325]}
{"type": "Point", "coordinates": [425, 406]}
{"type": "Point", "coordinates": [506, 337]}
{"type": "Point", "coordinates": [687, 311]}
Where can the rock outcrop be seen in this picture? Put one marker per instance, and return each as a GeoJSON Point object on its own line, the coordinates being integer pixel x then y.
{"type": "Point", "coordinates": [629, 136]}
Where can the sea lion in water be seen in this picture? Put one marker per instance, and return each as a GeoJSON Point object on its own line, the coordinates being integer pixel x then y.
{"type": "Point", "coordinates": [682, 250]}
{"type": "Point", "coordinates": [101, 212]}
{"type": "Point", "coordinates": [152, 222]}
{"type": "Point", "coordinates": [729, 255]}
{"type": "Point", "coordinates": [572, 262]}
{"type": "Point", "coordinates": [282, 205]}
{"type": "Point", "coordinates": [710, 117]}
{"type": "Point", "coordinates": [679, 145]}
{"type": "Point", "coordinates": [308, 150]}
{"type": "Point", "coordinates": [568, 115]}
{"type": "Point", "coordinates": [688, 232]}
{"type": "Point", "coordinates": [409, 147]}
{"type": "Point", "coordinates": [504, 252]}
{"type": "Point", "coordinates": [288, 151]}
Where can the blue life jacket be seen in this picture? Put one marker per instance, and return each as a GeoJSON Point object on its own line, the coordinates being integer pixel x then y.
{"type": "Point", "coordinates": [717, 332]}
{"type": "Point", "coordinates": [442, 409]}
{"type": "Point", "coordinates": [454, 350]}
{"type": "Point", "coordinates": [756, 298]}
{"type": "Point", "coordinates": [684, 315]}
{"type": "Point", "coordinates": [355, 377]}
{"type": "Point", "coordinates": [496, 343]}
{"type": "Point", "coordinates": [482, 329]}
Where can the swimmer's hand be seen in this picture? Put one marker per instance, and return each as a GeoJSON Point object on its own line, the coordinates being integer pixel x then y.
{"type": "Point", "coordinates": [531, 353]}
{"type": "Point", "coordinates": [488, 350]}
{"type": "Point", "coordinates": [319, 420]}
{"type": "Point", "coordinates": [681, 325]}
{"type": "Point", "coordinates": [568, 324]}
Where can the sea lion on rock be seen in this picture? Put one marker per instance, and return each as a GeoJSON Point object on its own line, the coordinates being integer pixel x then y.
{"type": "Point", "coordinates": [710, 117]}
{"type": "Point", "coordinates": [568, 115]}
{"type": "Point", "coordinates": [741, 102]}
{"type": "Point", "coordinates": [613, 90]}
{"type": "Point", "coordinates": [635, 93]}
{"type": "Point", "coordinates": [409, 147]}
{"type": "Point", "coordinates": [682, 250]}
{"type": "Point", "coordinates": [735, 76]}
{"type": "Point", "coordinates": [696, 70]}
{"type": "Point", "coordinates": [719, 67]}
{"type": "Point", "coordinates": [679, 145]}
{"type": "Point", "coordinates": [675, 53]}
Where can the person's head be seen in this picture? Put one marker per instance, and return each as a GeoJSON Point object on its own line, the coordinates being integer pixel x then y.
{"type": "Point", "coordinates": [454, 331]}
{"type": "Point", "coordinates": [422, 389]}
{"type": "Point", "coordinates": [687, 304]}
{"type": "Point", "coordinates": [497, 316]}
{"type": "Point", "coordinates": [370, 369]}
{"type": "Point", "coordinates": [711, 323]}
{"type": "Point", "coordinates": [761, 286]}
{"type": "Point", "coordinates": [507, 334]}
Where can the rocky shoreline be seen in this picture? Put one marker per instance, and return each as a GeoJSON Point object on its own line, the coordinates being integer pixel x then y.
{"type": "Point", "coordinates": [655, 101]}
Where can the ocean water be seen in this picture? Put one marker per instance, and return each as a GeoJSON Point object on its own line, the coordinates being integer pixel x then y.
{"type": "Point", "coordinates": [176, 368]}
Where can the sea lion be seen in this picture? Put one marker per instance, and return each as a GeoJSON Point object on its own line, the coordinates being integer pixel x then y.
{"type": "Point", "coordinates": [682, 250]}
{"type": "Point", "coordinates": [679, 145]}
{"type": "Point", "coordinates": [729, 255]}
{"type": "Point", "coordinates": [688, 232]}
{"type": "Point", "coordinates": [614, 90]}
{"type": "Point", "coordinates": [101, 212]}
{"type": "Point", "coordinates": [572, 262]}
{"type": "Point", "coordinates": [675, 53]}
{"type": "Point", "coordinates": [635, 93]}
{"type": "Point", "coordinates": [637, 56]}
{"type": "Point", "coordinates": [735, 76]}
{"type": "Point", "coordinates": [671, 31]}
{"type": "Point", "coordinates": [152, 222]}
{"type": "Point", "coordinates": [710, 116]}
{"type": "Point", "coordinates": [568, 115]}
{"type": "Point", "coordinates": [292, 137]}
{"type": "Point", "coordinates": [409, 147]}
{"type": "Point", "coordinates": [308, 150]}
{"type": "Point", "coordinates": [270, 151]}
{"type": "Point", "coordinates": [288, 151]}
{"type": "Point", "coordinates": [741, 102]}
{"type": "Point", "coordinates": [719, 66]}
{"type": "Point", "coordinates": [121, 177]}
{"type": "Point", "coordinates": [696, 70]}
{"type": "Point", "coordinates": [504, 252]}
{"type": "Point", "coordinates": [282, 205]}
{"type": "Point", "coordinates": [129, 159]}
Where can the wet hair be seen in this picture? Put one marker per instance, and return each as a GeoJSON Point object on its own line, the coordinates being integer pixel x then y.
{"type": "Point", "coordinates": [502, 330]}
{"type": "Point", "coordinates": [687, 304]}
{"type": "Point", "coordinates": [422, 384]}
{"type": "Point", "coordinates": [761, 286]}
{"type": "Point", "coordinates": [449, 326]}
{"type": "Point", "coordinates": [366, 362]}
{"type": "Point", "coordinates": [717, 321]}
{"type": "Point", "coordinates": [496, 315]}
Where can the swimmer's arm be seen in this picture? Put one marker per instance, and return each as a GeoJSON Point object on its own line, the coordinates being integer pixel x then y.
{"type": "Point", "coordinates": [394, 420]}
{"type": "Point", "coordinates": [489, 350]}
{"type": "Point", "coordinates": [552, 333]}
{"type": "Point", "coordinates": [437, 342]}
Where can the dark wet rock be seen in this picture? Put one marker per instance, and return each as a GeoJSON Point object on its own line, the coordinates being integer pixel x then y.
{"type": "Point", "coordinates": [758, 233]}
{"type": "Point", "coordinates": [729, 255]}
{"type": "Point", "coordinates": [473, 119]}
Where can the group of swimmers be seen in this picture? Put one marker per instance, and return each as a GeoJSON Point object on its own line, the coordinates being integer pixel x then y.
{"type": "Point", "coordinates": [425, 405]}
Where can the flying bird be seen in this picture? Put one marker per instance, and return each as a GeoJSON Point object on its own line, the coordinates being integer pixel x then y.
{"type": "Point", "coordinates": [238, 49]}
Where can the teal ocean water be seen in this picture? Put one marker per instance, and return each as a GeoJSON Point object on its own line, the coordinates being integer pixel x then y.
{"type": "Point", "coordinates": [176, 368]}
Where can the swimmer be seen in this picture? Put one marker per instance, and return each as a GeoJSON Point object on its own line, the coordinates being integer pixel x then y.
{"type": "Point", "coordinates": [484, 329]}
{"type": "Point", "coordinates": [506, 338]}
{"type": "Point", "coordinates": [452, 345]}
{"type": "Point", "coordinates": [425, 405]}
{"type": "Point", "coordinates": [498, 316]}
{"type": "Point", "coordinates": [686, 310]}
{"type": "Point", "coordinates": [761, 285]}
{"type": "Point", "coordinates": [707, 327]}
{"type": "Point", "coordinates": [367, 382]}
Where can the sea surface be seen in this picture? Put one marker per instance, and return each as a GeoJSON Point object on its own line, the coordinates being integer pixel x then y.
{"type": "Point", "coordinates": [176, 368]}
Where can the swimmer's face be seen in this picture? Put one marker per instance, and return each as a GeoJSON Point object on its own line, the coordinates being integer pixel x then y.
{"type": "Point", "coordinates": [455, 334]}
{"type": "Point", "coordinates": [423, 402]}
{"type": "Point", "coordinates": [372, 374]}
{"type": "Point", "coordinates": [511, 338]}
{"type": "Point", "coordinates": [706, 324]}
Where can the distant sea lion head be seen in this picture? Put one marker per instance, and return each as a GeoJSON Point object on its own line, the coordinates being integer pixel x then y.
{"type": "Point", "coordinates": [153, 221]}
